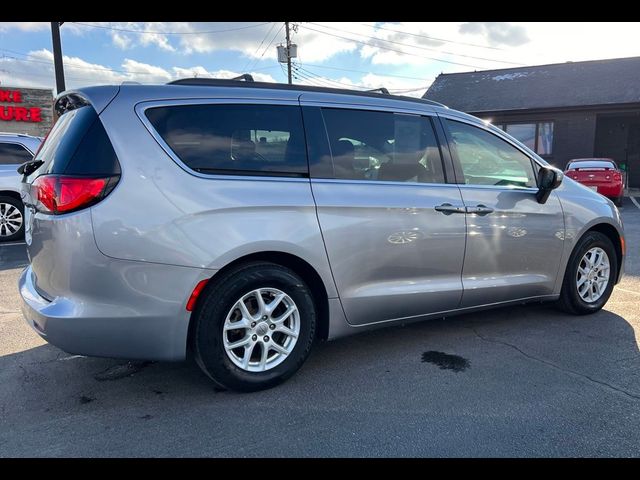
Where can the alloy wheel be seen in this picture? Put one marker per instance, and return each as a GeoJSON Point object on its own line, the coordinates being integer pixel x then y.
{"type": "Point", "coordinates": [10, 219]}
{"type": "Point", "coordinates": [261, 329]}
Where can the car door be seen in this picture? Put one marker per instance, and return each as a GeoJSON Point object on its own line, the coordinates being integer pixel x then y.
{"type": "Point", "coordinates": [377, 178]}
{"type": "Point", "coordinates": [514, 243]}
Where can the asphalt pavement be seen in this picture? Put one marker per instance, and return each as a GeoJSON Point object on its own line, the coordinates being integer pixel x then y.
{"type": "Point", "coordinates": [525, 381]}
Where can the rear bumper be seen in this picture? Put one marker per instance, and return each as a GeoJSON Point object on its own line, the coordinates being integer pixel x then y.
{"type": "Point", "coordinates": [607, 190]}
{"type": "Point", "coordinates": [107, 328]}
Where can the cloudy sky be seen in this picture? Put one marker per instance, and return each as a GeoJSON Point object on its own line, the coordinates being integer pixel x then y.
{"type": "Point", "coordinates": [403, 57]}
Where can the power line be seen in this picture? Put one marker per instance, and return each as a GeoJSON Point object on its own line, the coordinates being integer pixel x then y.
{"type": "Point", "coordinates": [77, 67]}
{"type": "Point", "coordinates": [326, 79]}
{"type": "Point", "coordinates": [434, 38]}
{"type": "Point", "coordinates": [316, 76]}
{"type": "Point", "coordinates": [259, 46]}
{"type": "Point", "coordinates": [97, 68]}
{"type": "Point", "coordinates": [313, 79]}
{"type": "Point", "coordinates": [405, 90]}
{"type": "Point", "coordinates": [392, 49]}
{"type": "Point", "coordinates": [419, 47]}
{"type": "Point", "coordinates": [316, 81]}
{"type": "Point", "coordinates": [205, 32]}
{"type": "Point", "coordinates": [372, 73]}
{"type": "Point", "coordinates": [255, 62]}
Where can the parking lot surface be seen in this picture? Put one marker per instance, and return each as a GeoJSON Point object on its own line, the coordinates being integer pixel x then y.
{"type": "Point", "coordinates": [523, 381]}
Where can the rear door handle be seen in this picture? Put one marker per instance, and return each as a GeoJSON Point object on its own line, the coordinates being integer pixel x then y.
{"type": "Point", "coordinates": [480, 210]}
{"type": "Point", "coordinates": [448, 209]}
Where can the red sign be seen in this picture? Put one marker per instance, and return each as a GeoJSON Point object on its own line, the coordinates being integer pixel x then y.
{"type": "Point", "coordinates": [17, 114]}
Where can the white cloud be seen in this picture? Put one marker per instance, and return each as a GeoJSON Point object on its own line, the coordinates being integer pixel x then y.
{"type": "Point", "coordinates": [36, 70]}
{"type": "Point", "coordinates": [161, 41]}
{"type": "Point", "coordinates": [24, 26]}
{"type": "Point", "coordinates": [429, 49]}
{"type": "Point", "coordinates": [498, 33]}
{"type": "Point", "coordinates": [121, 41]}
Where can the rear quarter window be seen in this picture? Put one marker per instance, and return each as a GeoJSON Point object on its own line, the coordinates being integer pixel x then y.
{"type": "Point", "coordinates": [77, 145]}
{"type": "Point", "coordinates": [234, 139]}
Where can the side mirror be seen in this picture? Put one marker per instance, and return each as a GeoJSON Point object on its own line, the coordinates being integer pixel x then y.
{"type": "Point", "coordinates": [27, 168]}
{"type": "Point", "coordinates": [549, 178]}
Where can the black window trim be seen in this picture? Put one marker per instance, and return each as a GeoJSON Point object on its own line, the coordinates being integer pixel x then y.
{"type": "Point", "coordinates": [13, 142]}
{"type": "Point", "coordinates": [141, 107]}
{"type": "Point", "coordinates": [535, 163]}
{"type": "Point", "coordinates": [447, 169]}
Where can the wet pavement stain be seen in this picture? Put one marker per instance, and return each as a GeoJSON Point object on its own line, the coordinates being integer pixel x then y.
{"type": "Point", "coordinates": [446, 361]}
{"type": "Point", "coordinates": [84, 399]}
{"type": "Point", "coordinates": [121, 371]}
{"type": "Point", "coordinates": [146, 417]}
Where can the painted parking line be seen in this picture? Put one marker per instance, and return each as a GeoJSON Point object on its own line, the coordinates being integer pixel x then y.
{"type": "Point", "coordinates": [627, 291]}
{"type": "Point", "coordinates": [635, 202]}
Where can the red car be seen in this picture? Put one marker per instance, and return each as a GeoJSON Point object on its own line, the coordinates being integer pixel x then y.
{"type": "Point", "coordinates": [599, 174]}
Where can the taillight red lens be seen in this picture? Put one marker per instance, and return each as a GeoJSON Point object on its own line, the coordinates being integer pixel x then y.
{"type": "Point", "coordinates": [617, 176]}
{"type": "Point", "coordinates": [60, 194]}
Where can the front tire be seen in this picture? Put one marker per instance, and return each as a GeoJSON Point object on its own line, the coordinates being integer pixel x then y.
{"type": "Point", "coordinates": [590, 275]}
{"type": "Point", "coordinates": [11, 219]}
{"type": "Point", "coordinates": [255, 327]}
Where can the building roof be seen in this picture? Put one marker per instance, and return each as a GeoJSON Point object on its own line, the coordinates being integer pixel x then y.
{"type": "Point", "coordinates": [571, 84]}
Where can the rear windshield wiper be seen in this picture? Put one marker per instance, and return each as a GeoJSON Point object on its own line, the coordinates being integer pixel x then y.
{"type": "Point", "coordinates": [27, 168]}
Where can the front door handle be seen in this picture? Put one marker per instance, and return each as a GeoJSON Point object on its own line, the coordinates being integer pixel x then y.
{"type": "Point", "coordinates": [480, 210]}
{"type": "Point", "coordinates": [448, 209]}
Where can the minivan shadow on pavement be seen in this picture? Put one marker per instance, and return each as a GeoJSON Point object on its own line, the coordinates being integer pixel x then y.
{"type": "Point", "coordinates": [538, 383]}
{"type": "Point", "coordinates": [13, 255]}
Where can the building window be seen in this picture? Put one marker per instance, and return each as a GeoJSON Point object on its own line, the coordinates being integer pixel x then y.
{"type": "Point", "coordinates": [537, 136]}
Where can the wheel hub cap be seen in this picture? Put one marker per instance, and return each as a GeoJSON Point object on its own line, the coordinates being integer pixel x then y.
{"type": "Point", "coordinates": [10, 219]}
{"type": "Point", "coordinates": [593, 273]}
{"type": "Point", "coordinates": [261, 329]}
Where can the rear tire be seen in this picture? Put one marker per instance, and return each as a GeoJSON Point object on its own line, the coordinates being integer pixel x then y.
{"type": "Point", "coordinates": [618, 201]}
{"type": "Point", "coordinates": [575, 296]}
{"type": "Point", "coordinates": [274, 349]}
{"type": "Point", "coordinates": [11, 219]}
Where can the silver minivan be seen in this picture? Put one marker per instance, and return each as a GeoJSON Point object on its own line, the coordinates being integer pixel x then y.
{"type": "Point", "coordinates": [241, 222]}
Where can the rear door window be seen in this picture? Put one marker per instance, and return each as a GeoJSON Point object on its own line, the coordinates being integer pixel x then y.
{"type": "Point", "coordinates": [13, 154]}
{"type": "Point", "coordinates": [383, 146]}
{"type": "Point", "coordinates": [234, 139]}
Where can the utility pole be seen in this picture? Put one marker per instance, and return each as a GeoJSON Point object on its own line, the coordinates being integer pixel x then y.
{"type": "Point", "coordinates": [286, 25]}
{"type": "Point", "coordinates": [57, 56]}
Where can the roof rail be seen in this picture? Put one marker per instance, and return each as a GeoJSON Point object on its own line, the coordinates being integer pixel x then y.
{"type": "Point", "coordinates": [13, 134]}
{"type": "Point", "coordinates": [218, 82]}
{"type": "Point", "coordinates": [211, 81]}
{"type": "Point", "coordinates": [245, 76]}
{"type": "Point", "coordinates": [381, 90]}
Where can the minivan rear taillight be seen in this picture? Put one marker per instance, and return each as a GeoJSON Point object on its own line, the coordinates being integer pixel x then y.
{"type": "Point", "coordinates": [58, 194]}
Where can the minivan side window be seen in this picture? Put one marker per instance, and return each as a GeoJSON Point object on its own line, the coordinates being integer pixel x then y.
{"type": "Point", "coordinates": [383, 146]}
{"type": "Point", "coordinates": [234, 139]}
{"type": "Point", "coordinates": [13, 154]}
{"type": "Point", "coordinates": [486, 159]}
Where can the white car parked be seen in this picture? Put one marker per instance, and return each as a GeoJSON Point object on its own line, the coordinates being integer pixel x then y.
{"type": "Point", "coordinates": [15, 149]}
